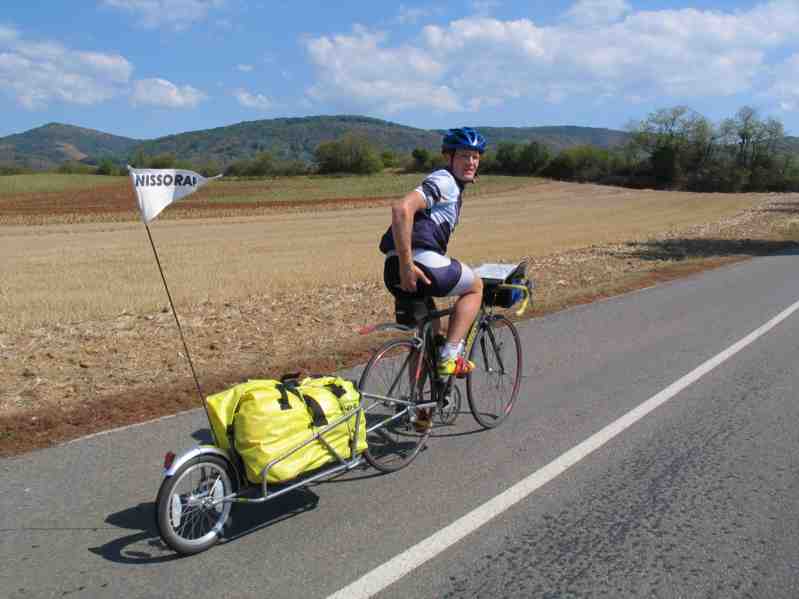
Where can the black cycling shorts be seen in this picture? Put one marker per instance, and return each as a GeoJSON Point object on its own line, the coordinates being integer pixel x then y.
{"type": "Point", "coordinates": [448, 277]}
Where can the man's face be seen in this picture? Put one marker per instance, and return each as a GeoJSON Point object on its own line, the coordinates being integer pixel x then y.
{"type": "Point", "coordinates": [464, 164]}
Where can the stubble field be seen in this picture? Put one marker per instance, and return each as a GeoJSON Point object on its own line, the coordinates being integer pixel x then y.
{"type": "Point", "coordinates": [275, 276]}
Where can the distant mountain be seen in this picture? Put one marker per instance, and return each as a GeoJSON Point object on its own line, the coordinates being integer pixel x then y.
{"type": "Point", "coordinates": [297, 138]}
{"type": "Point", "coordinates": [790, 144]}
{"type": "Point", "coordinates": [286, 138]}
{"type": "Point", "coordinates": [54, 143]}
{"type": "Point", "coordinates": [557, 138]}
{"type": "Point", "coordinates": [291, 138]}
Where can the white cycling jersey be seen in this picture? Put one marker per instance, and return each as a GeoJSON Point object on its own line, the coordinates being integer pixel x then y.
{"type": "Point", "coordinates": [432, 227]}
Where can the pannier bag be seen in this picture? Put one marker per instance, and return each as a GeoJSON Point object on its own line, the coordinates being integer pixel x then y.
{"type": "Point", "coordinates": [267, 419]}
{"type": "Point", "coordinates": [493, 294]}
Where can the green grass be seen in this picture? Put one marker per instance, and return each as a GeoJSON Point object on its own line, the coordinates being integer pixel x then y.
{"type": "Point", "coordinates": [49, 182]}
{"type": "Point", "coordinates": [319, 187]}
{"type": "Point", "coordinates": [42, 198]}
{"type": "Point", "coordinates": [312, 187]}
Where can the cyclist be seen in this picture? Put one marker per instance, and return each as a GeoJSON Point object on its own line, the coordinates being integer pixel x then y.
{"type": "Point", "coordinates": [415, 245]}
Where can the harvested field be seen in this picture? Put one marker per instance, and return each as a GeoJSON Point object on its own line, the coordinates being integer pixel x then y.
{"type": "Point", "coordinates": [71, 199]}
{"type": "Point", "coordinates": [84, 327]}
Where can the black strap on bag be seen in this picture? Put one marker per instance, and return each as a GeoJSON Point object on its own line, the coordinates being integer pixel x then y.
{"type": "Point", "coordinates": [288, 381]}
{"type": "Point", "coordinates": [319, 418]}
{"type": "Point", "coordinates": [284, 397]}
{"type": "Point", "coordinates": [283, 401]}
{"type": "Point", "coordinates": [336, 389]}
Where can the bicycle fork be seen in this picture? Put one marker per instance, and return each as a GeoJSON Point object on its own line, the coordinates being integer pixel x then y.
{"type": "Point", "coordinates": [496, 352]}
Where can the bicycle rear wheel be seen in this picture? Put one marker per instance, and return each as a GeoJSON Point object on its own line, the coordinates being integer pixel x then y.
{"type": "Point", "coordinates": [448, 409]}
{"type": "Point", "coordinates": [390, 391]}
{"type": "Point", "coordinates": [492, 387]}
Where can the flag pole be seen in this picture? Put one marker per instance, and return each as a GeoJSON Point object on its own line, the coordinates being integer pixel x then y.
{"type": "Point", "coordinates": [157, 189]}
{"type": "Point", "coordinates": [180, 330]}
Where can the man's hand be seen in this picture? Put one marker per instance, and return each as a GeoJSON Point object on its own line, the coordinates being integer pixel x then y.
{"type": "Point", "coordinates": [409, 275]}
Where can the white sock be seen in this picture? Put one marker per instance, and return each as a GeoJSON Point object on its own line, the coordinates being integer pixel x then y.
{"type": "Point", "coordinates": [450, 351]}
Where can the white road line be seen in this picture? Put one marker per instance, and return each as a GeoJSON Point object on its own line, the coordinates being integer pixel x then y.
{"type": "Point", "coordinates": [397, 567]}
{"type": "Point", "coordinates": [119, 429]}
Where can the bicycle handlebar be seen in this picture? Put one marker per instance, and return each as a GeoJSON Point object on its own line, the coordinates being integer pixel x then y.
{"type": "Point", "coordinates": [525, 289]}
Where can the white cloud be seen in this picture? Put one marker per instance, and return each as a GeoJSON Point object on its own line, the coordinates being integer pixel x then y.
{"type": "Point", "coordinates": [244, 68]}
{"type": "Point", "coordinates": [598, 12]}
{"type": "Point", "coordinates": [38, 73]}
{"type": "Point", "coordinates": [160, 92]}
{"type": "Point", "coordinates": [177, 14]}
{"type": "Point", "coordinates": [357, 67]}
{"type": "Point", "coordinates": [668, 56]}
{"type": "Point", "coordinates": [786, 84]}
{"type": "Point", "coordinates": [250, 100]}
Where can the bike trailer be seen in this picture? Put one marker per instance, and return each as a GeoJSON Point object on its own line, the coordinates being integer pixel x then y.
{"type": "Point", "coordinates": [282, 429]}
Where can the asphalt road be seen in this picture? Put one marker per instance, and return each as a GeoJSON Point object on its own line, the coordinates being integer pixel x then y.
{"type": "Point", "coordinates": [695, 499]}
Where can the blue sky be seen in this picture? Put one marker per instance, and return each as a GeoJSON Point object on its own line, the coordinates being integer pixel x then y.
{"type": "Point", "coordinates": [147, 68]}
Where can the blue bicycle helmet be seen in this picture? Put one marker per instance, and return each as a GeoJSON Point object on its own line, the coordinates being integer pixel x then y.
{"type": "Point", "coordinates": [464, 138]}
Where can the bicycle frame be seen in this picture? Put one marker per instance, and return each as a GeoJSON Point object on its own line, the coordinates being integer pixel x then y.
{"type": "Point", "coordinates": [424, 339]}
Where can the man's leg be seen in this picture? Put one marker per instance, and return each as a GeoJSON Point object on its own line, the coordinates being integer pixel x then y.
{"type": "Point", "coordinates": [451, 360]}
{"type": "Point", "coordinates": [449, 278]}
{"type": "Point", "coordinates": [466, 309]}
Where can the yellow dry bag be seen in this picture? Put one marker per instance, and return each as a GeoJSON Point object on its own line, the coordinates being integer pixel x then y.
{"type": "Point", "coordinates": [274, 423]}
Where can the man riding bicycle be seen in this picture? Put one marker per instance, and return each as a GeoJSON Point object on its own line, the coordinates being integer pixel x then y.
{"type": "Point", "coordinates": [415, 245]}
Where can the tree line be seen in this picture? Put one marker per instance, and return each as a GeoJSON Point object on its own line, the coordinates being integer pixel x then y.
{"type": "Point", "coordinates": [672, 148]}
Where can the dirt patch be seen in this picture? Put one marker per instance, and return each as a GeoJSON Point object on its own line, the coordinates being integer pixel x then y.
{"type": "Point", "coordinates": [70, 151]}
{"type": "Point", "coordinates": [116, 203]}
{"type": "Point", "coordinates": [71, 379]}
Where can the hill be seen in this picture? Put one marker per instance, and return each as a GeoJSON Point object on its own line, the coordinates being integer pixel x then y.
{"type": "Point", "coordinates": [286, 138]}
{"type": "Point", "coordinates": [297, 138]}
{"type": "Point", "coordinates": [55, 143]}
{"type": "Point", "coordinates": [557, 138]}
{"type": "Point", "coordinates": [790, 145]}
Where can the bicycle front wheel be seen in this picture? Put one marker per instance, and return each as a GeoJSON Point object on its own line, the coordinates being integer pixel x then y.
{"type": "Point", "coordinates": [492, 387]}
{"type": "Point", "coordinates": [392, 383]}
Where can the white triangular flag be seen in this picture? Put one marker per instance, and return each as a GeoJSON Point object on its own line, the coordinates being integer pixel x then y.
{"type": "Point", "coordinates": [158, 188]}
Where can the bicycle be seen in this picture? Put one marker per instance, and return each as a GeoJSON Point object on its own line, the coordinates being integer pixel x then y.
{"type": "Point", "coordinates": [401, 377]}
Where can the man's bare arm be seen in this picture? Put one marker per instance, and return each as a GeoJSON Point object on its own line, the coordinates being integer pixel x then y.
{"type": "Point", "coordinates": [402, 213]}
